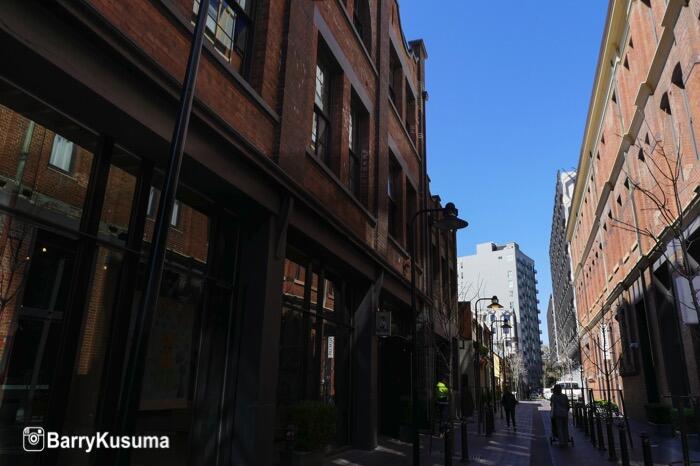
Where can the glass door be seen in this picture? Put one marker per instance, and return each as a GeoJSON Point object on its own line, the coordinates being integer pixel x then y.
{"type": "Point", "coordinates": [30, 348]}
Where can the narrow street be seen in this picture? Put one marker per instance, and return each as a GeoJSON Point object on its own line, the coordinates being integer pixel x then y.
{"type": "Point", "coordinates": [530, 445]}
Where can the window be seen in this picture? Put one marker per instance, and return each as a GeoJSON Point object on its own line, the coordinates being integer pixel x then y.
{"type": "Point", "coordinates": [151, 209]}
{"type": "Point", "coordinates": [152, 204]}
{"type": "Point", "coordinates": [320, 129]}
{"type": "Point", "coordinates": [411, 208]}
{"type": "Point", "coordinates": [61, 153]}
{"type": "Point", "coordinates": [314, 342]}
{"type": "Point", "coordinates": [362, 20]}
{"type": "Point", "coordinates": [175, 215]}
{"type": "Point", "coordinates": [228, 27]}
{"type": "Point", "coordinates": [396, 81]}
{"type": "Point", "coordinates": [355, 159]}
{"type": "Point", "coordinates": [410, 118]}
{"type": "Point", "coordinates": [393, 199]}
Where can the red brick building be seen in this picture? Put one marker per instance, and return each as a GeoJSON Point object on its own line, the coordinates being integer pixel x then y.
{"type": "Point", "coordinates": [634, 215]}
{"type": "Point", "coordinates": [304, 164]}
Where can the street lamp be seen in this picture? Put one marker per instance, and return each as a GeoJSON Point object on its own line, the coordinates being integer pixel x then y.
{"type": "Point", "coordinates": [505, 326]}
{"type": "Point", "coordinates": [449, 222]}
{"type": "Point", "coordinates": [477, 349]}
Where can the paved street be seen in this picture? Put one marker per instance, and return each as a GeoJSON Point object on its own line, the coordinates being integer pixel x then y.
{"type": "Point", "coordinates": [528, 446]}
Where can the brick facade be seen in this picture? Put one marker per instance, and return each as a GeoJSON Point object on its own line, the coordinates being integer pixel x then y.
{"type": "Point", "coordinates": [643, 112]}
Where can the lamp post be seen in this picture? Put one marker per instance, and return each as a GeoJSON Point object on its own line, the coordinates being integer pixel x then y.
{"type": "Point", "coordinates": [477, 350]}
{"type": "Point", "coordinates": [505, 326]}
{"type": "Point", "coordinates": [450, 222]}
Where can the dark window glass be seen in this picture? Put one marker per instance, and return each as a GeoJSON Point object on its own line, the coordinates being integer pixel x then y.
{"type": "Point", "coordinates": [393, 199]}
{"type": "Point", "coordinates": [37, 268]}
{"type": "Point", "coordinates": [314, 345]}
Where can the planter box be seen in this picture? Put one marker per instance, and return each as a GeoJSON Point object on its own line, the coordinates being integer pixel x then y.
{"type": "Point", "coordinates": [304, 458]}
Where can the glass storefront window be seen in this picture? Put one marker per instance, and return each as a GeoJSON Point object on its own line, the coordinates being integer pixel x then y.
{"type": "Point", "coordinates": [50, 319]}
{"type": "Point", "coordinates": [314, 350]}
{"type": "Point", "coordinates": [34, 296]}
{"type": "Point", "coordinates": [119, 195]}
{"type": "Point", "coordinates": [166, 402]}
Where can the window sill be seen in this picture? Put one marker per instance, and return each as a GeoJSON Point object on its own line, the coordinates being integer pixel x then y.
{"type": "Point", "coordinates": [358, 37]}
{"type": "Point", "coordinates": [405, 130]}
{"type": "Point", "coordinates": [372, 219]}
{"type": "Point", "coordinates": [398, 246]}
{"type": "Point", "coordinates": [63, 172]}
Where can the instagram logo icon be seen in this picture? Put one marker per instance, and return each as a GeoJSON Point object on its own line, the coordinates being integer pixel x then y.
{"type": "Point", "coordinates": [33, 439]}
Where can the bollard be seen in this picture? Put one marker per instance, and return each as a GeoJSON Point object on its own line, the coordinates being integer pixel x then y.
{"type": "Point", "coordinates": [624, 454]}
{"type": "Point", "coordinates": [448, 445]}
{"type": "Point", "coordinates": [599, 429]}
{"type": "Point", "coordinates": [465, 446]}
{"type": "Point", "coordinates": [684, 434]}
{"type": "Point", "coordinates": [612, 455]}
{"type": "Point", "coordinates": [489, 421]}
{"type": "Point", "coordinates": [646, 450]}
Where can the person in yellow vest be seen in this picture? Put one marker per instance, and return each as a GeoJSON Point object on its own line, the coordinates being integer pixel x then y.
{"type": "Point", "coordinates": [442, 392]}
{"type": "Point", "coordinates": [442, 395]}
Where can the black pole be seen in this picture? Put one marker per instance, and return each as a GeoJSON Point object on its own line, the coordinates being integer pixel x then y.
{"type": "Point", "coordinates": [448, 445]}
{"type": "Point", "coordinates": [414, 341]}
{"type": "Point", "coordinates": [465, 446]}
{"type": "Point", "coordinates": [646, 450]}
{"type": "Point", "coordinates": [612, 456]}
{"type": "Point", "coordinates": [591, 427]}
{"type": "Point", "coordinates": [414, 348]}
{"type": "Point", "coordinates": [154, 271]}
{"type": "Point", "coordinates": [684, 435]}
{"type": "Point", "coordinates": [624, 453]}
{"type": "Point", "coordinates": [599, 429]}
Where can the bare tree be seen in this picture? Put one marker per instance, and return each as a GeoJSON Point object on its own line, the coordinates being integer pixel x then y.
{"type": "Point", "coordinates": [662, 188]}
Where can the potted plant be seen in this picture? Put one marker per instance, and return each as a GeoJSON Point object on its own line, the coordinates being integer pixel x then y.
{"type": "Point", "coordinates": [314, 426]}
{"type": "Point", "coordinates": [605, 407]}
{"type": "Point", "coordinates": [660, 419]}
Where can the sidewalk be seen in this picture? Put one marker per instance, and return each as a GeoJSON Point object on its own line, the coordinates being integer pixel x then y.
{"type": "Point", "coordinates": [504, 448]}
{"type": "Point", "coordinates": [664, 450]}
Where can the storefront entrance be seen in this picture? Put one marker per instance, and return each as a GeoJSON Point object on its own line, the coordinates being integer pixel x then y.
{"type": "Point", "coordinates": [394, 385]}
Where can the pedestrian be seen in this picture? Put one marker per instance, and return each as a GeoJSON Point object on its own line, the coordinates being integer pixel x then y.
{"type": "Point", "coordinates": [559, 403]}
{"type": "Point", "coordinates": [508, 402]}
{"type": "Point", "coordinates": [442, 395]}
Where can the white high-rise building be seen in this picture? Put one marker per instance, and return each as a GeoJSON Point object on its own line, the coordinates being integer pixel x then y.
{"type": "Point", "coordinates": [505, 271]}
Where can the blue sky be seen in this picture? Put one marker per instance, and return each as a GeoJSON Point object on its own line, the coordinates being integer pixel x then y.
{"type": "Point", "coordinates": [509, 85]}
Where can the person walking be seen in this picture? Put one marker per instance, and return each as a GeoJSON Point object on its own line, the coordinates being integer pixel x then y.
{"type": "Point", "coordinates": [508, 402]}
{"type": "Point", "coordinates": [559, 403]}
{"type": "Point", "coordinates": [442, 397]}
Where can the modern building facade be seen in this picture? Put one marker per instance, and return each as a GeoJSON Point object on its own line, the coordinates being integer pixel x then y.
{"type": "Point", "coordinates": [304, 163]}
{"type": "Point", "coordinates": [634, 212]}
{"type": "Point", "coordinates": [563, 299]}
{"type": "Point", "coordinates": [552, 331]}
{"type": "Point", "coordinates": [505, 271]}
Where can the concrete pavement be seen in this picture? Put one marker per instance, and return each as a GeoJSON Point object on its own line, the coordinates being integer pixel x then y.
{"type": "Point", "coordinates": [505, 447]}
{"type": "Point", "coordinates": [529, 446]}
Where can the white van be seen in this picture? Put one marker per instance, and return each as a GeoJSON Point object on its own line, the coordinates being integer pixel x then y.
{"type": "Point", "coordinates": [568, 387]}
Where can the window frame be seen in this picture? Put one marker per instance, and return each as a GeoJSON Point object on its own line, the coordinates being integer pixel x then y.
{"type": "Point", "coordinates": [320, 146]}
{"type": "Point", "coordinates": [66, 143]}
{"type": "Point", "coordinates": [241, 27]}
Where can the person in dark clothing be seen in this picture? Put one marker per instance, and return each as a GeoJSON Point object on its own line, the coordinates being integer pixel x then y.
{"type": "Point", "coordinates": [560, 413]}
{"type": "Point", "coordinates": [508, 402]}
